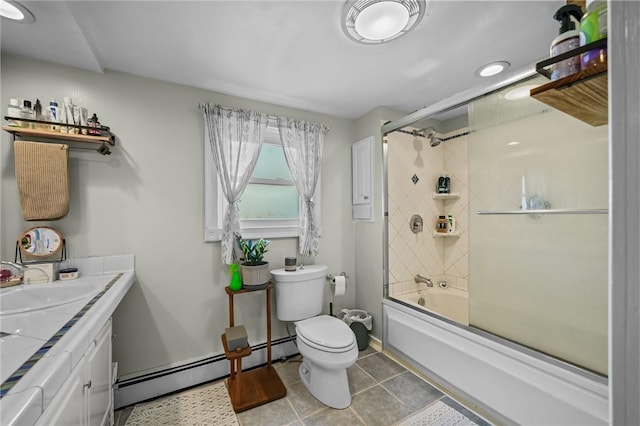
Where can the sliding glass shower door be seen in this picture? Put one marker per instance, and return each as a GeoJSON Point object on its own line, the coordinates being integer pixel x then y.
{"type": "Point", "coordinates": [538, 227]}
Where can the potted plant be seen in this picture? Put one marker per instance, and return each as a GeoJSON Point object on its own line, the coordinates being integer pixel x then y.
{"type": "Point", "coordinates": [254, 270]}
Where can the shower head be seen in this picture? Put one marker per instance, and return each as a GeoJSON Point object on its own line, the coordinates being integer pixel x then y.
{"type": "Point", "coordinates": [435, 141]}
{"type": "Point", "coordinates": [429, 132]}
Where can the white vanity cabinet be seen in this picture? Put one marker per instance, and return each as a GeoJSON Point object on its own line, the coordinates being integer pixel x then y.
{"type": "Point", "coordinates": [86, 397]}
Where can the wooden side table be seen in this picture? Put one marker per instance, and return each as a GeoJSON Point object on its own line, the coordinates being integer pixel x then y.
{"type": "Point", "coordinates": [260, 385]}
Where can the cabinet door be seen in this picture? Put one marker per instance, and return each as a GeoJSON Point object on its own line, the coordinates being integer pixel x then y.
{"type": "Point", "coordinates": [99, 367]}
{"type": "Point", "coordinates": [68, 406]}
{"type": "Point", "coordinates": [362, 171]}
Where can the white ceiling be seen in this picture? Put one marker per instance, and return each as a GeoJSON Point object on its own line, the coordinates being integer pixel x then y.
{"type": "Point", "coordinates": [291, 53]}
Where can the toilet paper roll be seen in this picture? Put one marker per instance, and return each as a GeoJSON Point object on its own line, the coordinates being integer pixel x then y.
{"type": "Point", "coordinates": [340, 285]}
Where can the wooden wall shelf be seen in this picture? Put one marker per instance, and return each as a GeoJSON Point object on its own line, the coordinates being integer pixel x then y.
{"type": "Point", "coordinates": [40, 133]}
{"type": "Point", "coordinates": [46, 135]}
{"type": "Point", "coordinates": [583, 95]}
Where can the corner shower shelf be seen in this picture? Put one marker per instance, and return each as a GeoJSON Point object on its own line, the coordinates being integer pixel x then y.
{"type": "Point", "coordinates": [437, 234]}
{"type": "Point", "coordinates": [583, 95]}
{"type": "Point", "coordinates": [451, 196]}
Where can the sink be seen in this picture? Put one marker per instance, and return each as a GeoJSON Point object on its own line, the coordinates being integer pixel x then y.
{"type": "Point", "coordinates": [31, 297]}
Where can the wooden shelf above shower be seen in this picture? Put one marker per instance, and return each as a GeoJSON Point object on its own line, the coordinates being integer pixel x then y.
{"type": "Point", "coordinates": [451, 196]}
{"type": "Point", "coordinates": [583, 95]}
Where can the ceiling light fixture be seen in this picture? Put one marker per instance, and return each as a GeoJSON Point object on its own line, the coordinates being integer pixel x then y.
{"type": "Point", "coordinates": [16, 12]}
{"type": "Point", "coordinates": [492, 69]}
{"type": "Point", "coordinates": [379, 21]}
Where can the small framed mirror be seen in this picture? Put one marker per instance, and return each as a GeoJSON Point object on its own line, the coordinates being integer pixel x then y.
{"type": "Point", "coordinates": [41, 241]}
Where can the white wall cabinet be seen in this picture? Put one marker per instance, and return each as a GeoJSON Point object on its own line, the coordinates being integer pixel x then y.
{"type": "Point", "coordinates": [86, 397]}
{"type": "Point", "coordinates": [362, 178]}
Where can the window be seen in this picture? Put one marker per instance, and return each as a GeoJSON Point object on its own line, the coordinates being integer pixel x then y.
{"type": "Point", "coordinates": [270, 204]}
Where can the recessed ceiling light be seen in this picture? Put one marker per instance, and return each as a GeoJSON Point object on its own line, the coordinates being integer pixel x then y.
{"type": "Point", "coordinates": [519, 92]}
{"type": "Point", "coordinates": [379, 21]}
{"type": "Point", "coordinates": [492, 69]}
{"type": "Point", "coordinates": [16, 12]}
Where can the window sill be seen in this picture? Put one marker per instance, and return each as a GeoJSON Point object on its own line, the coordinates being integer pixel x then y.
{"type": "Point", "coordinates": [214, 234]}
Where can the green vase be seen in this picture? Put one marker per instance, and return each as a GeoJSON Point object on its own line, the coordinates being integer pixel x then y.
{"type": "Point", "coordinates": [236, 281]}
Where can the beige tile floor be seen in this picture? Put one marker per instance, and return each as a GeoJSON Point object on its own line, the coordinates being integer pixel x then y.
{"type": "Point", "coordinates": [383, 393]}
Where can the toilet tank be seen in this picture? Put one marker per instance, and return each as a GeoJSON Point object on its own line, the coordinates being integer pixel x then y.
{"type": "Point", "coordinates": [299, 293]}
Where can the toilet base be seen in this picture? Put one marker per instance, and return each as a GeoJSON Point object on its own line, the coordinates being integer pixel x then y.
{"type": "Point", "coordinates": [331, 387]}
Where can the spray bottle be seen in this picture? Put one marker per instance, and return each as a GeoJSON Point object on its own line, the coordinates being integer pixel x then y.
{"type": "Point", "coordinates": [235, 283]}
{"type": "Point", "coordinates": [568, 39]}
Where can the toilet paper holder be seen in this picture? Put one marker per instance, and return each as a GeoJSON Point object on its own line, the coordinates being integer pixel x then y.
{"type": "Point", "coordinates": [332, 278]}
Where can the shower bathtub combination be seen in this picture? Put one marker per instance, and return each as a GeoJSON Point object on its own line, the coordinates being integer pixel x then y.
{"type": "Point", "coordinates": [520, 331]}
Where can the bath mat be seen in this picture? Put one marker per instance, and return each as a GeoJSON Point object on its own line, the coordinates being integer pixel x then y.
{"type": "Point", "coordinates": [204, 405]}
{"type": "Point", "coordinates": [438, 414]}
{"type": "Point", "coordinates": [42, 174]}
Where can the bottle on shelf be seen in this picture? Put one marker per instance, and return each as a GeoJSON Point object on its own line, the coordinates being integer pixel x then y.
{"type": "Point", "coordinates": [451, 223]}
{"type": "Point", "coordinates": [593, 27]}
{"type": "Point", "coordinates": [94, 125]}
{"type": "Point", "coordinates": [38, 109]}
{"type": "Point", "coordinates": [447, 184]}
{"type": "Point", "coordinates": [14, 111]}
{"type": "Point", "coordinates": [27, 113]}
{"type": "Point", "coordinates": [568, 39]}
{"type": "Point", "coordinates": [53, 114]}
{"type": "Point", "coordinates": [441, 224]}
{"type": "Point", "coordinates": [441, 188]}
{"type": "Point", "coordinates": [65, 115]}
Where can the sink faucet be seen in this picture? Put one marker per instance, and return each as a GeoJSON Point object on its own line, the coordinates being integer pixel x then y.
{"type": "Point", "coordinates": [15, 265]}
{"type": "Point", "coordinates": [420, 279]}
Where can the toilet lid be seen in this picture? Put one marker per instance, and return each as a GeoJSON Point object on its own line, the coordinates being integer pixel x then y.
{"type": "Point", "coordinates": [326, 331]}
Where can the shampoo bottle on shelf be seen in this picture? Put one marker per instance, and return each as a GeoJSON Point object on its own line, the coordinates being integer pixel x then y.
{"type": "Point", "coordinates": [452, 223]}
{"type": "Point", "coordinates": [440, 184]}
{"type": "Point", "coordinates": [568, 39]}
{"type": "Point", "coordinates": [593, 27]}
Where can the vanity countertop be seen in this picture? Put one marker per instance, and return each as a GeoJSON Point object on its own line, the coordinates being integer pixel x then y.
{"type": "Point", "coordinates": [40, 348]}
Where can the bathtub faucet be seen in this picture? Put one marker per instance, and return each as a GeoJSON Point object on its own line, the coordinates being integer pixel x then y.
{"type": "Point", "coordinates": [420, 279]}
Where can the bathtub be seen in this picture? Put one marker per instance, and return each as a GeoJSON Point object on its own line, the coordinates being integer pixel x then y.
{"type": "Point", "coordinates": [448, 302]}
{"type": "Point", "coordinates": [508, 383]}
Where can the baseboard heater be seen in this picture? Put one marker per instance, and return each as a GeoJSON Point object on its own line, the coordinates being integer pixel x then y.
{"type": "Point", "coordinates": [166, 381]}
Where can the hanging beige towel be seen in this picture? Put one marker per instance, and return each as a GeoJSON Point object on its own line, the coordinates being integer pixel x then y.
{"type": "Point", "coordinates": [42, 173]}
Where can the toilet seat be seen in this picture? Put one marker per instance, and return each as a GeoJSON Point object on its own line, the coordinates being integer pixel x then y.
{"type": "Point", "coordinates": [326, 333]}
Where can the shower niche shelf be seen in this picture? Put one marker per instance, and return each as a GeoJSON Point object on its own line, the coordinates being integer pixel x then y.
{"type": "Point", "coordinates": [437, 234]}
{"type": "Point", "coordinates": [583, 95]}
{"type": "Point", "coordinates": [451, 196]}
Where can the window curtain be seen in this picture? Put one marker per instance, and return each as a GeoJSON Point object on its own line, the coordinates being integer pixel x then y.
{"type": "Point", "coordinates": [235, 138]}
{"type": "Point", "coordinates": [302, 143]}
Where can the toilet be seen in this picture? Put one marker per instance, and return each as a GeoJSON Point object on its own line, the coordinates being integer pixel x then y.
{"type": "Point", "coordinates": [327, 344]}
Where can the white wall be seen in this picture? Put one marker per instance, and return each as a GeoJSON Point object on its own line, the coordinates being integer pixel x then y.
{"type": "Point", "coordinates": [147, 199]}
{"type": "Point", "coordinates": [369, 235]}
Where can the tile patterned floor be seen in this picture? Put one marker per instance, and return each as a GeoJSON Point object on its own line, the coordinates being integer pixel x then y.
{"type": "Point", "coordinates": [383, 393]}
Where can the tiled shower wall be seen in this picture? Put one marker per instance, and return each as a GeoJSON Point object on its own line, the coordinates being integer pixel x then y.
{"type": "Point", "coordinates": [411, 254]}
